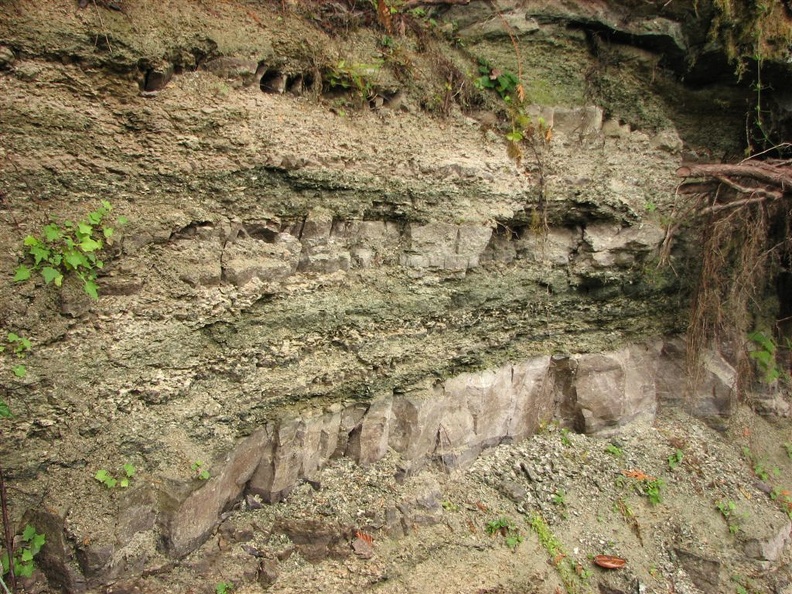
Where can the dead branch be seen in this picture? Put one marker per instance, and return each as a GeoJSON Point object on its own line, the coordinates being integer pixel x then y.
{"type": "Point", "coordinates": [735, 204]}
{"type": "Point", "coordinates": [764, 172]}
{"type": "Point", "coordinates": [414, 3]}
{"type": "Point", "coordinates": [750, 190]}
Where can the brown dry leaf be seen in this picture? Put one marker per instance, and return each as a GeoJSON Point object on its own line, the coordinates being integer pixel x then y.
{"type": "Point", "coordinates": [638, 475]}
{"type": "Point", "coordinates": [514, 151]}
{"type": "Point", "coordinates": [609, 561]}
{"type": "Point", "coordinates": [520, 92]}
{"type": "Point", "coordinates": [384, 16]}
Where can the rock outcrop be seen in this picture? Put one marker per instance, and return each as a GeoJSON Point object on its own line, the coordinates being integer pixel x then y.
{"type": "Point", "coordinates": [335, 247]}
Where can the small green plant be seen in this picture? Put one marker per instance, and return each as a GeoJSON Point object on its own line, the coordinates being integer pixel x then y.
{"type": "Point", "coordinates": [199, 471]}
{"type": "Point", "coordinates": [565, 437]}
{"type": "Point", "coordinates": [69, 247]}
{"type": "Point", "coordinates": [652, 489]}
{"type": "Point", "coordinates": [570, 572]}
{"type": "Point", "coordinates": [506, 528]}
{"type": "Point", "coordinates": [765, 355]}
{"type": "Point", "coordinates": [450, 506]}
{"type": "Point", "coordinates": [24, 555]}
{"type": "Point", "coordinates": [614, 450]}
{"type": "Point", "coordinates": [784, 498]}
{"type": "Point", "coordinates": [559, 498]}
{"type": "Point", "coordinates": [353, 77]}
{"type": "Point", "coordinates": [675, 459]}
{"type": "Point", "coordinates": [759, 465]}
{"type": "Point", "coordinates": [224, 588]}
{"type": "Point", "coordinates": [728, 510]}
{"type": "Point", "coordinates": [19, 346]}
{"type": "Point", "coordinates": [503, 82]}
{"type": "Point", "coordinates": [122, 479]}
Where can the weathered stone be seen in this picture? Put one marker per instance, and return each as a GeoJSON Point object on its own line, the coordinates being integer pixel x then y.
{"type": "Point", "coordinates": [715, 396]}
{"type": "Point", "coordinates": [315, 540]}
{"type": "Point", "coordinates": [414, 425]}
{"type": "Point", "coordinates": [268, 572]}
{"type": "Point", "coordinates": [7, 57]}
{"type": "Point", "coordinates": [613, 245]}
{"type": "Point", "coordinates": [374, 242]}
{"type": "Point", "coordinates": [232, 68]}
{"type": "Point", "coordinates": [56, 559]}
{"type": "Point", "coordinates": [247, 258]}
{"type": "Point", "coordinates": [513, 490]}
{"type": "Point", "coordinates": [321, 251]}
{"type": "Point", "coordinates": [158, 77]}
{"type": "Point", "coordinates": [704, 572]}
{"type": "Point", "coordinates": [553, 247]}
{"type": "Point", "coordinates": [616, 389]}
{"type": "Point", "coordinates": [199, 513]}
{"type": "Point", "coordinates": [770, 546]}
{"type": "Point", "coordinates": [579, 122]}
{"type": "Point", "coordinates": [445, 246]}
{"type": "Point", "coordinates": [197, 260]}
{"type": "Point", "coordinates": [369, 441]}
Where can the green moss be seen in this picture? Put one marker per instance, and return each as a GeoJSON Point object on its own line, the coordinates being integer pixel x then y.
{"type": "Point", "coordinates": [752, 30]}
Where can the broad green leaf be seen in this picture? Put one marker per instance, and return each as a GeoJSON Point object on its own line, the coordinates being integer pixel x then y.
{"type": "Point", "coordinates": [95, 217]}
{"type": "Point", "coordinates": [102, 475]}
{"type": "Point", "coordinates": [52, 232]}
{"type": "Point", "coordinates": [5, 411]}
{"type": "Point", "coordinates": [92, 289]}
{"type": "Point", "coordinates": [39, 253]}
{"type": "Point", "coordinates": [23, 570]}
{"type": "Point", "coordinates": [129, 469]}
{"type": "Point", "coordinates": [4, 562]}
{"type": "Point", "coordinates": [108, 232]}
{"type": "Point", "coordinates": [50, 274]}
{"type": "Point", "coordinates": [75, 260]}
{"type": "Point", "coordinates": [31, 241]}
{"type": "Point", "coordinates": [122, 220]}
{"type": "Point", "coordinates": [19, 370]}
{"type": "Point", "coordinates": [38, 542]}
{"type": "Point", "coordinates": [28, 533]}
{"type": "Point", "coordinates": [90, 245]}
{"type": "Point", "coordinates": [25, 343]}
{"type": "Point", "coordinates": [106, 205]}
{"type": "Point", "coordinates": [26, 555]}
{"type": "Point", "coordinates": [22, 273]}
{"type": "Point", "coordinates": [514, 136]}
{"type": "Point", "coordinates": [84, 229]}
{"type": "Point", "coordinates": [13, 337]}
{"type": "Point", "coordinates": [124, 483]}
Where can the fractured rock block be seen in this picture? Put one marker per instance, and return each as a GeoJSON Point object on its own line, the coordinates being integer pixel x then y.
{"type": "Point", "coordinates": [196, 517]}
{"type": "Point", "coordinates": [446, 246]}
{"type": "Point", "coordinates": [616, 388]}
{"type": "Point", "coordinates": [246, 258]}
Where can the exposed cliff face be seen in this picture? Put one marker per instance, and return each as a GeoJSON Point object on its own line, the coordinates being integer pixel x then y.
{"type": "Point", "coordinates": [329, 248]}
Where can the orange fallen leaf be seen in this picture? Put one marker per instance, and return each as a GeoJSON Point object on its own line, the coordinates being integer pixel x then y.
{"type": "Point", "coordinates": [638, 475]}
{"type": "Point", "coordinates": [365, 537]}
{"type": "Point", "coordinates": [609, 561]}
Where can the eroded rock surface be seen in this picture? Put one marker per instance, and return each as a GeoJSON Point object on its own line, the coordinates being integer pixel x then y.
{"type": "Point", "coordinates": [327, 259]}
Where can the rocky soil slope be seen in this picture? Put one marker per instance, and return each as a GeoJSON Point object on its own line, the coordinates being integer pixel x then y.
{"type": "Point", "coordinates": [331, 256]}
